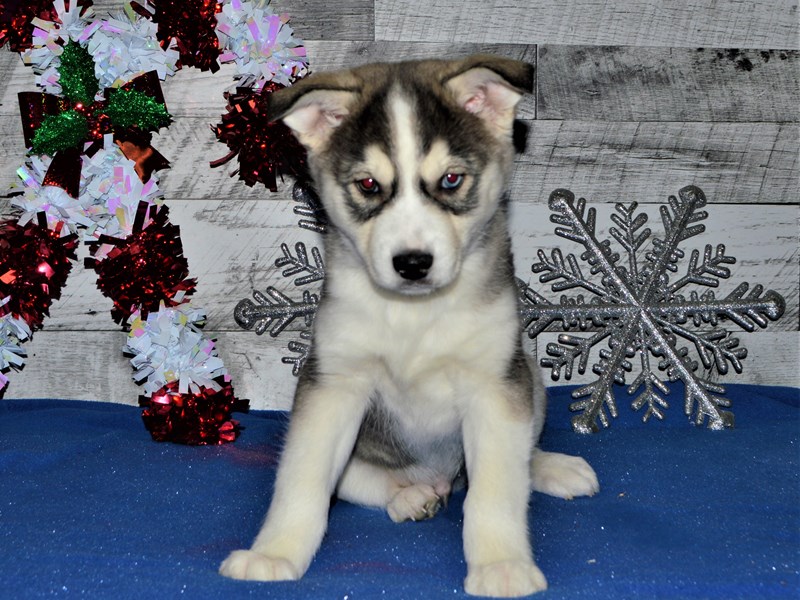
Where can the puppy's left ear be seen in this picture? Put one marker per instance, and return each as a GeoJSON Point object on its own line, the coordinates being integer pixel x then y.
{"type": "Point", "coordinates": [315, 106]}
{"type": "Point", "coordinates": [490, 87]}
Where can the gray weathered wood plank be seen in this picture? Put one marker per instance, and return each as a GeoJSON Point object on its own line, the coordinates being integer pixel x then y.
{"type": "Point", "coordinates": [89, 365]}
{"type": "Point", "coordinates": [195, 93]}
{"type": "Point", "coordinates": [317, 19]}
{"type": "Point", "coordinates": [732, 162]}
{"type": "Point", "coordinates": [682, 23]}
{"type": "Point", "coordinates": [231, 246]}
{"type": "Point", "coordinates": [667, 84]}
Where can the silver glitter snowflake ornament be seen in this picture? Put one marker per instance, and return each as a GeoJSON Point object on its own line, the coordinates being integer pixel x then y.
{"type": "Point", "coordinates": [636, 306]}
{"type": "Point", "coordinates": [274, 311]}
{"type": "Point", "coordinates": [637, 303]}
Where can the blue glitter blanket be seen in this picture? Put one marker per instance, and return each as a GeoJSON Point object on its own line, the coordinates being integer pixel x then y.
{"type": "Point", "coordinates": [91, 507]}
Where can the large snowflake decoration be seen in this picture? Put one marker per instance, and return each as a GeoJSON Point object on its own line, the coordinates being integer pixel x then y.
{"type": "Point", "coordinates": [274, 311]}
{"type": "Point", "coordinates": [638, 307]}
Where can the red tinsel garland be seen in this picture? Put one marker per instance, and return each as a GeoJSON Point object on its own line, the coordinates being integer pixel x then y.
{"type": "Point", "coordinates": [202, 418]}
{"type": "Point", "coordinates": [16, 20]}
{"type": "Point", "coordinates": [193, 24]}
{"type": "Point", "coordinates": [34, 264]}
{"type": "Point", "coordinates": [266, 150]}
{"type": "Point", "coordinates": [145, 269]}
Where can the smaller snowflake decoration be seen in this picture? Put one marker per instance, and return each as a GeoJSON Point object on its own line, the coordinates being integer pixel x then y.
{"type": "Point", "coordinates": [310, 208]}
{"type": "Point", "coordinates": [639, 310]}
{"type": "Point", "coordinates": [299, 263]}
{"type": "Point", "coordinates": [274, 311]}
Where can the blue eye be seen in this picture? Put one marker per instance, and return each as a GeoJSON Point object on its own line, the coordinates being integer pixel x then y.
{"type": "Point", "coordinates": [451, 181]}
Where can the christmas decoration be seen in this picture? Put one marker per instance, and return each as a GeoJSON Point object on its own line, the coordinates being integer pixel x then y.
{"type": "Point", "coordinates": [168, 347]}
{"type": "Point", "coordinates": [34, 265]}
{"type": "Point", "coordinates": [261, 45]}
{"type": "Point", "coordinates": [311, 209]}
{"type": "Point", "coordinates": [17, 19]}
{"type": "Point", "coordinates": [266, 150]}
{"type": "Point", "coordinates": [195, 419]}
{"type": "Point", "coordinates": [93, 172]}
{"type": "Point", "coordinates": [636, 306]}
{"type": "Point", "coordinates": [267, 57]}
{"type": "Point", "coordinates": [274, 311]}
{"type": "Point", "coordinates": [145, 270]}
{"type": "Point", "coordinates": [188, 24]}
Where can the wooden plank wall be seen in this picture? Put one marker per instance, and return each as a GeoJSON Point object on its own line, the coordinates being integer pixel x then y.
{"type": "Point", "coordinates": [633, 101]}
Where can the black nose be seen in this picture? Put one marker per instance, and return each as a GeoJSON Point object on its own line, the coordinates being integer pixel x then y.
{"type": "Point", "coordinates": [412, 265]}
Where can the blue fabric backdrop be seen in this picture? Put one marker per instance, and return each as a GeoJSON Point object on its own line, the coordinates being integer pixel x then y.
{"type": "Point", "coordinates": [91, 507]}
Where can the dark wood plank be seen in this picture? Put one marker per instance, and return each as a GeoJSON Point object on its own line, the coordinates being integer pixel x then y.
{"type": "Point", "coordinates": [324, 20]}
{"type": "Point", "coordinates": [733, 162]}
{"type": "Point", "coordinates": [689, 23]}
{"type": "Point", "coordinates": [667, 84]}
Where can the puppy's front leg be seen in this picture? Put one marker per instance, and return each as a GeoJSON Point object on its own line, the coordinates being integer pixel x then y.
{"type": "Point", "coordinates": [497, 444]}
{"type": "Point", "coordinates": [322, 433]}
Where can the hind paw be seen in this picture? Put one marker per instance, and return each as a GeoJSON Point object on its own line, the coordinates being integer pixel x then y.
{"type": "Point", "coordinates": [562, 475]}
{"type": "Point", "coordinates": [414, 503]}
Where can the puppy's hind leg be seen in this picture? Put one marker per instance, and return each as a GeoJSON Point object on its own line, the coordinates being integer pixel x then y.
{"type": "Point", "coordinates": [322, 433]}
{"type": "Point", "coordinates": [562, 475]}
{"type": "Point", "coordinates": [372, 485]}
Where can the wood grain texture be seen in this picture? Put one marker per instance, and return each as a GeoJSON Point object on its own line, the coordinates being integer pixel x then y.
{"type": "Point", "coordinates": [732, 162]}
{"type": "Point", "coordinates": [667, 84]}
{"type": "Point", "coordinates": [89, 365]}
{"type": "Point", "coordinates": [315, 19]}
{"type": "Point", "coordinates": [627, 107]}
{"type": "Point", "coordinates": [231, 246]}
{"type": "Point", "coordinates": [678, 23]}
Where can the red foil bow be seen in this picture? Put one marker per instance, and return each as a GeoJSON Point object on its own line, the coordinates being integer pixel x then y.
{"type": "Point", "coordinates": [65, 171]}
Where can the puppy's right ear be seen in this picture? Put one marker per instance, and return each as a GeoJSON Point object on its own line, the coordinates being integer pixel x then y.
{"type": "Point", "coordinates": [314, 107]}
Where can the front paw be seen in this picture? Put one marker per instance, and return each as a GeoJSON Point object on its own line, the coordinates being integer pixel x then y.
{"type": "Point", "coordinates": [252, 566]}
{"type": "Point", "coordinates": [505, 579]}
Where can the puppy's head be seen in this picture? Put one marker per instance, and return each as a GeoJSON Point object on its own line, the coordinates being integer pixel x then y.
{"type": "Point", "coordinates": [410, 159]}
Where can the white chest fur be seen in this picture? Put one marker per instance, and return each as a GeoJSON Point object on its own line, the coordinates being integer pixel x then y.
{"type": "Point", "coordinates": [424, 355]}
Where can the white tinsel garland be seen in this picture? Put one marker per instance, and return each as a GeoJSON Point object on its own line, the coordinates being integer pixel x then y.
{"type": "Point", "coordinates": [122, 47]}
{"type": "Point", "coordinates": [12, 332]}
{"type": "Point", "coordinates": [260, 43]}
{"type": "Point", "coordinates": [168, 345]}
{"type": "Point", "coordinates": [58, 206]}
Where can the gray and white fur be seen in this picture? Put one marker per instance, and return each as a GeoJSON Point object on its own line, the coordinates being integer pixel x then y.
{"type": "Point", "coordinates": [418, 378]}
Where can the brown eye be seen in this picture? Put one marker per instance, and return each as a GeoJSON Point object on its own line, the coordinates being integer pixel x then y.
{"type": "Point", "coordinates": [451, 181]}
{"type": "Point", "coordinates": [368, 185]}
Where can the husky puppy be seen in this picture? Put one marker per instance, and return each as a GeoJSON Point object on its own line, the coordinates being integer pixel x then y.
{"type": "Point", "coordinates": [417, 373]}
